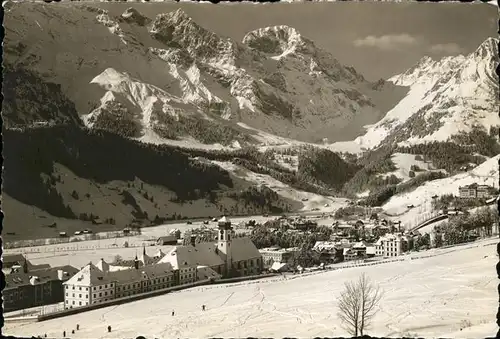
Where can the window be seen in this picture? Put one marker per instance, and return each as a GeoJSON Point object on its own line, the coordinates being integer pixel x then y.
{"type": "Point", "coordinates": [73, 302]}
{"type": "Point", "coordinates": [100, 294]}
{"type": "Point", "coordinates": [80, 303]}
{"type": "Point", "coordinates": [80, 288]}
{"type": "Point", "coordinates": [66, 293]}
{"type": "Point", "coordinates": [94, 295]}
{"type": "Point", "coordinates": [94, 288]}
{"type": "Point", "coordinates": [73, 287]}
{"type": "Point", "coordinates": [73, 295]}
{"type": "Point", "coordinates": [79, 296]}
{"type": "Point", "coordinates": [86, 288]}
{"type": "Point", "coordinates": [105, 293]}
{"type": "Point", "coordinates": [100, 287]}
{"type": "Point", "coordinates": [111, 292]}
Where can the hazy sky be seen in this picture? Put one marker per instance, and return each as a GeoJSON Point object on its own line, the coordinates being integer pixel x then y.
{"type": "Point", "coordinates": [378, 39]}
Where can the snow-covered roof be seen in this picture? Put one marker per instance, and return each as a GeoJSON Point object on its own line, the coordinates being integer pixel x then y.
{"type": "Point", "coordinates": [224, 220]}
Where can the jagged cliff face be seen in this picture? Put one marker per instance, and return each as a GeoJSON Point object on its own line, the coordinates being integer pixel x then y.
{"type": "Point", "coordinates": [446, 97]}
{"type": "Point", "coordinates": [148, 75]}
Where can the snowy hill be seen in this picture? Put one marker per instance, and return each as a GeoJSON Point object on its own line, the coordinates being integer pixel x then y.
{"type": "Point", "coordinates": [446, 97]}
{"type": "Point", "coordinates": [487, 173]}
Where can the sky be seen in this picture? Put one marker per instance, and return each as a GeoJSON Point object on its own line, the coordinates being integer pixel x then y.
{"type": "Point", "coordinates": [378, 39]}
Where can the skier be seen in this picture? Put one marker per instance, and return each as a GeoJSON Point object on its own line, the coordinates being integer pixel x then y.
{"type": "Point", "coordinates": [64, 334]}
{"type": "Point", "coordinates": [173, 313]}
{"type": "Point", "coordinates": [109, 328]}
{"type": "Point", "coordinates": [203, 307]}
{"type": "Point", "coordinates": [72, 331]}
{"type": "Point", "coordinates": [77, 327]}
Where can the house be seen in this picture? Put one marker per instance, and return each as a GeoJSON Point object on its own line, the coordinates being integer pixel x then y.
{"type": "Point", "coordinates": [279, 267]}
{"type": "Point", "coordinates": [166, 240]}
{"type": "Point", "coordinates": [15, 263]}
{"type": "Point", "coordinates": [36, 288]}
{"type": "Point", "coordinates": [391, 245]}
{"type": "Point", "coordinates": [277, 255]}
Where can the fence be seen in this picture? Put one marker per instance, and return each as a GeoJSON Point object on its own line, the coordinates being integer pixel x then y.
{"type": "Point", "coordinates": [67, 240]}
{"type": "Point", "coordinates": [75, 247]}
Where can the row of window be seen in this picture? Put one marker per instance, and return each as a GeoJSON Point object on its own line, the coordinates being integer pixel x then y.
{"type": "Point", "coordinates": [95, 288]}
{"type": "Point", "coordinates": [158, 287]}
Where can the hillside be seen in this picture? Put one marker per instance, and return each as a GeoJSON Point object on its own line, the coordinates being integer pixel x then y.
{"type": "Point", "coordinates": [421, 196]}
{"type": "Point", "coordinates": [58, 170]}
{"type": "Point", "coordinates": [446, 97]}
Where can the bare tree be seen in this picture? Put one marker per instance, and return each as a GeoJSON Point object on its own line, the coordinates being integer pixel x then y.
{"type": "Point", "coordinates": [357, 305]}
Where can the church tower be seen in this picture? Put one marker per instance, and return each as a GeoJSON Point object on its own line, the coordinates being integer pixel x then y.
{"type": "Point", "coordinates": [224, 241]}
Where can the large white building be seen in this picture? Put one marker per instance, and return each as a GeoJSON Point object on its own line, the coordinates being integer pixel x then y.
{"type": "Point", "coordinates": [391, 245]}
{"type": "Point", "coordinates": [277, 255]}
{"type": "Point", "coordinates": [96, 283]}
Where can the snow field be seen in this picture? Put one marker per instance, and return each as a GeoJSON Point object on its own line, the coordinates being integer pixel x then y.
{"type": "Point", "coordinates": [428, 297]}
{"type": "Point", "coordinates": [421, 197]}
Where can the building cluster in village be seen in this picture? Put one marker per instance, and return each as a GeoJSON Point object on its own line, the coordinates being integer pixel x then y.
{"type": "Point", "coordinates": [29, 285]}
{"type": "Point", "coordinates": [229, 257]}
{"type": "Point", "coordinates": [349, 241]}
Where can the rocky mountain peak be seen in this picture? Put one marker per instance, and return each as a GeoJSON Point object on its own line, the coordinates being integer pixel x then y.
{"type": "Point", "coordinates": [177, 30]}
{"type": "Point", "coordinates": [488, 49]}
{"type": "Point", "coordinates": [279, 40]}
{"type": "Point", "coordinates": [131, 15]}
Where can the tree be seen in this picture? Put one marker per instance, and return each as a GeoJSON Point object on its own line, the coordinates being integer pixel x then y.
{"type": "Point", "coordinates": [357, 305]}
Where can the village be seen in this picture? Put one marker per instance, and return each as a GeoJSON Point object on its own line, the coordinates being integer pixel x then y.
{"type": "Point", "coordinates": [218, 249]}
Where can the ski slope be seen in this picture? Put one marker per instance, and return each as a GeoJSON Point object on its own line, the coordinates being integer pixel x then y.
{"type": "Point", "coordinates": [430, 297]}
{"type": "Point", "coordinates": [421, 197]}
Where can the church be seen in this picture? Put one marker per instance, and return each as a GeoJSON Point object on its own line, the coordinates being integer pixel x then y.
{"type": "Point", "coordinates": [230, 257]}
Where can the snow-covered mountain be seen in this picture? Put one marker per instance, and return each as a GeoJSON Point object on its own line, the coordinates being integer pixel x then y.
{"type": "Point", "coordinates": [170, 68]}
{"type": "Point", "coordinates": [446, 97]}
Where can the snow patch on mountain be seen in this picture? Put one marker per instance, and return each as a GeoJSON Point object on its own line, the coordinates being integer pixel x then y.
{"type": "Point", "coordinates": [145, 98]}
{"type": "Point", "coordinates": [403, 163]}
{"type": "Point", "coordinates": [113, 26]}
{"type": "Point", "coordinates": [150, 137]}
{"type": "Point", "coordinates": [309, 200]}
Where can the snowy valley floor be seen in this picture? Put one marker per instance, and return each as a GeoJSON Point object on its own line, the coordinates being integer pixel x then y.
{"type": "Point", "coordinates": [432, 297]}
